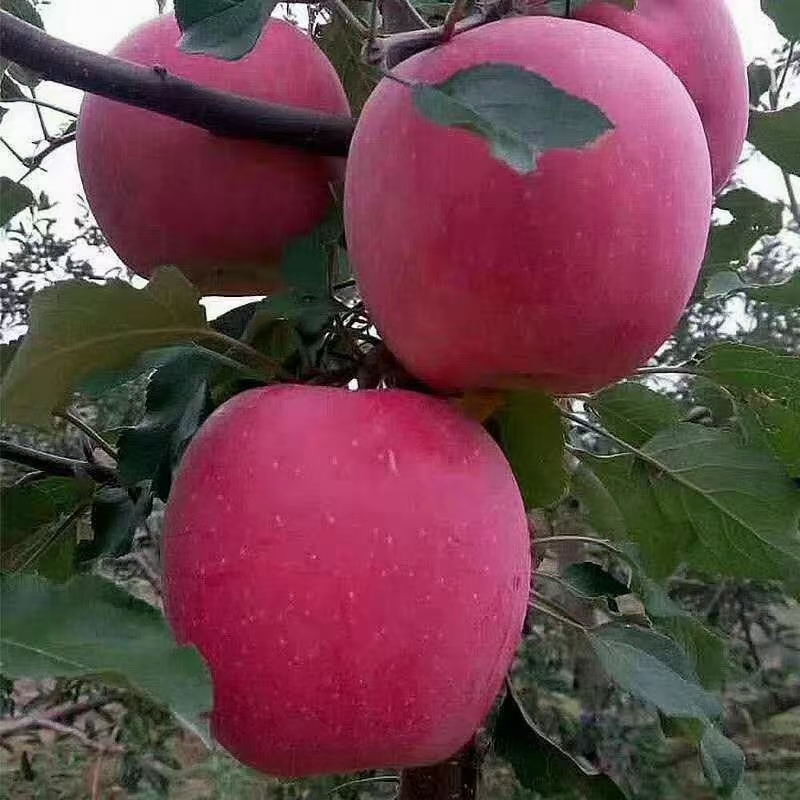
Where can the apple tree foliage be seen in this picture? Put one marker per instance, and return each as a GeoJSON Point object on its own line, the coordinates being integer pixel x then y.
{"type": "Point", "coordinates": [692, 463]}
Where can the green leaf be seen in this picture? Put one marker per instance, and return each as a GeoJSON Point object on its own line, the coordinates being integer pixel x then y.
{"type": "Point", "coordinates": [176, 404]}
{"type": "Point", "coordinates": [769, 422]}
{"type": "Point", "coordinates": [651, 667]}
{"type": "Point", "coordinates": [521, 114]}
{"type": "Point", "coordinates": [598, 503]}
{"type": "Point", "coordinates": [342, 44]}
{"type": "Point", "coordinates": [737, 501]}
{"type": "Point", "coordinates": [225, 29]}
{"type": "Point", "coordinates": [24, 10]}
{"type": "Point", "coordinates": [777, 135]}
{"type": "Point", "coordinates": [723, 282]}
{"type": "Point", "coordinates": [753, 217]}
{"type": "Point", "coordinates": [115, 517]}
{"type": "Point", "coordinates": [742, 369]}
{"type": "Point", "coordinates": [531, 434]}
{"type": "Point", "coordinates": [633, 412]}
{"type": "Point", "coordinates": [304, 262]}
{"type": "Point", "coordinates": [9, 89]}
{"type": "Point", "coordinates": [14, 197]}
{"type": "Point", "coordinates": [662, 544]}
{"type": "Point", "coordinates": [786, 16]}
{"type": "Point", "coordinates": [539, 763]}
{"type": "Point", "coordinates": [722, 760]}
{"type": "Point", "coordinates": [28, 507]}
{"type": "Point", "coordinates": [90, 627]}
{"type": "Point", "coordinates": [705, 649]}
{"type": "Point", "coordinates": [591, 580]}
{"type": "Point", "coordinates": [78, 328]}
{"type": "Point", "coordinates": [786, 293]}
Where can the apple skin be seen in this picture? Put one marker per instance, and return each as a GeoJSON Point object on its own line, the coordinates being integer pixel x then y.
{"type": "Point", "coordinates": [355, 569]}
{"type": "Point", "coordinates": [699, 42]}
{"type": "Point", "coordinates": [220, 209]}
{"type": "Point", "coordinates": [564, 279]}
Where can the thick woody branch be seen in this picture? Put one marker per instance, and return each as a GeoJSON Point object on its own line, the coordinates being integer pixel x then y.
{"type": "Point", "coordinates": [153, 88]}
{"type": "Point", "coordinates": [454, 779]}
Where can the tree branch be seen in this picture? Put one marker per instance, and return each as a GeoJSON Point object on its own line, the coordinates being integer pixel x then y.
{"type": "Point", "coordinates": [219, 112]}
{"type": "Point", "coordinates": [55, 465]}
{"type": "Point", "coordinates": [454, 779]}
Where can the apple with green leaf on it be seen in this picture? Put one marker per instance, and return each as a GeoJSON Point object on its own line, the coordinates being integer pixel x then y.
{"type": "Point", "coordinates": [355, 569]}
{"type": "Point", "coordinates": [699, 42]}
{"type": "Point", "coordinates": [565, 278]}
{"type": "Point", "coordinates": [221, 209]}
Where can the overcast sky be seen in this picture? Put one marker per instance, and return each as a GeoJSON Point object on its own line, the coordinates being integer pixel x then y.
{"type": "Point", "coordinates": [99, 24]}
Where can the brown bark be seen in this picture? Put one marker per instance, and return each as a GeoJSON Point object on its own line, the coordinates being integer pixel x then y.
{"type": "Point", "coordinates": [454, 779]}
{"type": "Point", "coordinates": [153, 88]}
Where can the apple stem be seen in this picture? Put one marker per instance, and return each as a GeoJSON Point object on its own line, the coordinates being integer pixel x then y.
{"type": "Point", "coordinates": [454, 779]}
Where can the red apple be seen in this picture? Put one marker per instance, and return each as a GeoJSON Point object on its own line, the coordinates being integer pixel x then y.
{"type": "Point", "coordinates": [354, 567]}
{"type": "Point", "coordinates": [566, 278]}
{"type": "Point", "coordinates": [698, 40]}
{"type": "Point", "coordinates": [220, 209]}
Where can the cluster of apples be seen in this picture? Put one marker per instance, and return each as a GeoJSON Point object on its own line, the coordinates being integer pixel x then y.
{"type": "Point", "coordinates": [355, 566]}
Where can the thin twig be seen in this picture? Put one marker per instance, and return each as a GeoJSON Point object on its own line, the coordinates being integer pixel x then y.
{"type": "Point", "coordinates": [86, 428]}
{"type": "Point", "coordinates": [40, 548]}
{"type": "Point", "coordinates": [68, 730]}
{"type": "Point", "coordinates": [606, 545]}
{"type": "Point", "coordinates": [66, 711]}
{"type": "Point", "coordinates": [34, 162]}
{"type": "Point", "coordinates": [39, 116]}
{"type": "Point", "coordinates": [55, 465]}
{"type": "Point", "coordinates": [41, 103]}
{"type": "Point", "coordinates": [550, 610]}
{"type": "Point", "coordinates": [341, 8]}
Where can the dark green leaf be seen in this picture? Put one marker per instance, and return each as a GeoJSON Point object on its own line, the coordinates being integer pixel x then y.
{"type": "Point", "coordinates": [78, 328]}
{"type": "Point", "coordinates": [722, 760]}
{"type": "Point", "coordinates": [786, 16]}
{"type": "Point", "coordinates": [705, 649]}
{"type": "Point", "coordinates": [90, 627]}
{"type": "Point", "coordinates": [778, 294]}
{"type": "Point", "coordinates": [662, 544]}
{"type": "Point", "coordinates": [225, 29]}
{"type": "Point", "coordinates": [24, 10]}
{"type": "Point", "coordinates": [742, 368]}
{"type": "Point", "coordinates": [753, 217]}
{"type": "Point", "coordinates": [115, 517]}
{"type": "Point", "coordinates": [305, 260]}
{"type": "Point", "coordinates": [342, 44]}
{"type": "Point", "coordinates": [598, 503]}
{"type": "Point", "coordinates": [777, 135]}
{"type": "Point", "coordinates": [769, 423]}
{"type": "Point", "coordinates": [521, 114]}
{"type": "Point", "coordinates": [31, 506]}
{"type": "Point", "coordinates": [738, 502]}
{"type": "Point", "coordinates": [633, 412]}
{"type": "Point", "coordinates": [539, 763]}
{"type": "Point", "coordinates": [723, 282]}
{"type": "Point", "coordinates": [651, 667]}
{"type": "Point", "coordinates": [14, 197]}
{"type": "Point", "coordinates": [591, 580]}
{"type": "Point", "coordinates": [531, 434]}
{"type": "Point", "coordinates": [9, 89]}
{"type": "Point", "coordinates": [176, 404]}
